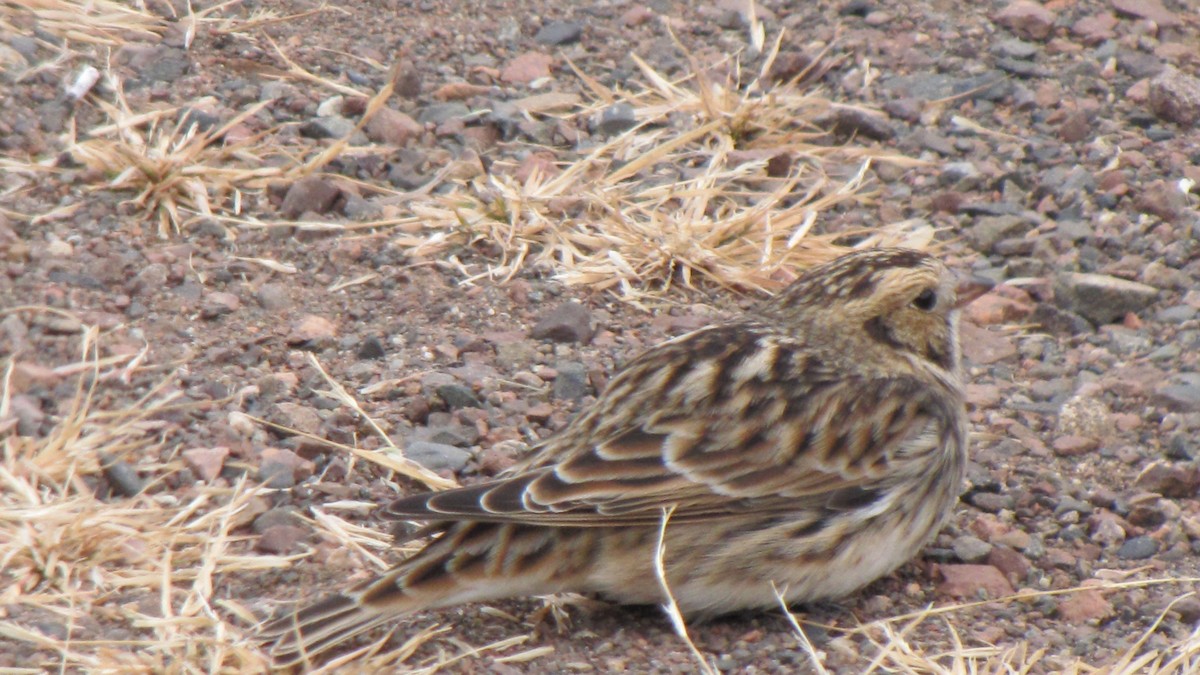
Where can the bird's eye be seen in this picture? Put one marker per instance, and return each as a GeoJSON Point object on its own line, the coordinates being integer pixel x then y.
{"type": "Point", "coordinates": [925, 301]}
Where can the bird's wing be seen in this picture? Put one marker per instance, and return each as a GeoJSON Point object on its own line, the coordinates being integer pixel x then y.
{"type": "Point", "coordinates": [719, 422]}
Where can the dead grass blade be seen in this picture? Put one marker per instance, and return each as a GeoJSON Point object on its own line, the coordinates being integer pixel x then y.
{"type": "Point", "coordinates": [88, 22]}
{"type": "Point", "coordinates": [145, 567]}
{"type": "Point", "coordinates": [895, 650]}
{"type": "Point", "coordinates": [670, 606]}
{"type": "Point", "coordinates": [716, 184]}
{"type": "Point", "coordinates": [390, 456]}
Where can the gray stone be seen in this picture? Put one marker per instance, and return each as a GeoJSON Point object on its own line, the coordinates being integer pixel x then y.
{"type": "Point", "coordinates": [1181, 393]}
{"type": "Point", "coordinates": [514, 355]}
{"type": "Point", "coordinates": [1016, 49]}
{"type": "Point", "coordinates": [1168, 352]}
{"type": "Point", "coordinates": [274, 297]}
{"type": "Point", "coordinates": [1073, 230]}
{"type": "Point", "coordinates": [616, 118]}
{"type": "Point", "coordinates": [559, 33]}
{"type": "Point", "coordinates": [458, 396]}
{"type": "Point", "coordinates": [1137, 548]}
{"type": "Point", "coordinates": [971, 549]}
{"type": "Point", "coordinates": [437, 456]}
{"type": "Point", "coordinates": [280, 515]}
{"type": "Point", "coordinates": [441, 112]}
{"type": "Point", "coordinates": [1182, 446]}
{"type": "Point", "coordinates": [1058, 320]}
{"type": "Point", "coordinates": [568, 322]}
{"type": "Point", "coordinates": [1021, 67]}
{"type": "Point", "coordinates": [987, 231]}
{"type": "Point", "coordinates": [314, 194]}
{"type": "Point", "coordinates": [990, 86]}
{"type": "Point", "coordinates": [329, 127]}
{"type": "Point", "coordinates": [992, 502]}
{"type": "Point", "coordinates": [1175, 97]}
{"type": "Point", "coordinates": [571, 383]}
{"type": "Point", "coordinates": [1139, 64]}
{"type": "Point", "coordinates": [1100, 298]}
{"type": "Point", "coordinates": [1175, 314]}
{"type": "Point", "coordinates": [963, 173]}
{"type": "Point", "coordinates": [165, 64]}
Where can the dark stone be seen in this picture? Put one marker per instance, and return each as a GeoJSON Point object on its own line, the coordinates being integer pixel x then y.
{"type": "Point", "coordinates": [559, 33]}
{"type": "Point", "coordinates": [1137, 548]}
{"type": "Point", "coordinates": [568, 322]}
{"type": "Point", "coordinates": [458, 396]}
{"type": "Point", "coordinates": [371, 348]}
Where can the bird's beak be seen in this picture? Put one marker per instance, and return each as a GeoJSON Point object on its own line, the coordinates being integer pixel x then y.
{"type": "Point", "coordinates": [970, 287]}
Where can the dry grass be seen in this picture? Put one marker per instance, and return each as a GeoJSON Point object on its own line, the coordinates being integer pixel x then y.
{"type": "Point", "coordinates": [721, 183]}
{"type": "Point", "coordinates": [718, 184]}
{"type": "Point", "coordinates": [892, 647]}
{"type": "Point", "coordinates": [148, 568]}
{"type": "Point", "coordinates": [145, 566]}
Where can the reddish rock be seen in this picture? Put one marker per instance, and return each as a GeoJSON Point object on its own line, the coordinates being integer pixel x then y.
{"type": "Point", "coordinates": [393, 127]}
{"type": "Point", "coordinates": [1147, 9]}
{"type": "Point", "coordinates": [1027, 19]}
{"type": "Point", "coordinates": [966, 581]}
{"type": "Point", "coordinates": [994, 308]}
{"type": "Point", "coordinates": [983, 395]}
{"type": "Point", "coordinates": [313, 194]}
{"type": "Point", "coordinates": [1014, 565]}
{"type": "Point", "coordinates": [280, 468]}
{"type": "Point", "coordinates": [206, 462]}
{"type": "Point", "coordinates": [1087, 605]}
{"type": "Point", "coordinates": [1075, 128]}
{"type": "Point", "coordinates": [311, 328]}
{"type": "Point", "coordinates": [1057, 557]}
{"type": "Point", "coordinates": [1170, 480]}
{"type": "Point", "coordinates": [1139, 92]}
{"type": "Point", "coordinates": [636, 16]}
{"type": "Point", "coordinates": [281, 539]}
{"type": "Point", "coordinates": [296, 416]}
{"type": "Point", "coordinates": [219, 303]}
{"type": "Point", "coordinates": [1175, 97]}
{"type": "Point", "coordinates": [982, 346]}
{"type": "Point", "coordinates": [459, 91]}
{"type": "Point", "coordinates": [1093, 30]}
{"type": "Point", "coordinates": [1030, 440]}
{"type": "Point", "coordinates": [1072, 446]}
{"type": "Point", "coordinates": [527, 67]}
{"type": "Point", "coordinates": [541, 163]}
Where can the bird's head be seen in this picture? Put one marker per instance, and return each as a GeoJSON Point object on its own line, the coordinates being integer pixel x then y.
{"type": "Point", "coordinates": [900, 299]}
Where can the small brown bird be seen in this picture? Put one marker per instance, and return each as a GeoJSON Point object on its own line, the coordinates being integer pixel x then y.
{"type": "Point", "coordinates": [813, 445]}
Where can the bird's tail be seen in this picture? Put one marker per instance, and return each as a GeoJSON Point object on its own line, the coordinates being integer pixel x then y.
{"type": "Point", "coordinates": [303, 634]}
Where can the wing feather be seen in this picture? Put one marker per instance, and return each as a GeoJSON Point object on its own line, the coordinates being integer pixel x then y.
{"type": "Point", "coordinates": [793, 438]}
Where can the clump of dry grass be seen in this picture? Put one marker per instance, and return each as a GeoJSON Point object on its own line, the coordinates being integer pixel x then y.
{"type": "Point", "coordinates": [144, 566]}
{"type": "Point", "coordinates": [175, 169]}
{"type": "Point", "coordinates": [720, 183]}
{"type": "Point", "coordinates": [104, 23]}
{"type": "Point", "coordinates": [134, 584]}
{"type": "Point", "coordinates": [892, 649]}
{"type": "Point", "coordinates": [717, 184]}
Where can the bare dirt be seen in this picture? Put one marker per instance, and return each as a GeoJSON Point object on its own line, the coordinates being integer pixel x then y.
{"type": "Point", "coordinates": [1057, 140]}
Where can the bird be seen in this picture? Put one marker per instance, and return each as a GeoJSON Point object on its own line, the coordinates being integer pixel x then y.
{"type": "Point", "coordinates": [795, 453]}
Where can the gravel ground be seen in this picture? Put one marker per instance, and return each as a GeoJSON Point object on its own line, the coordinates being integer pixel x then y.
{"type": "Point", "coordinates": [1061, 150]}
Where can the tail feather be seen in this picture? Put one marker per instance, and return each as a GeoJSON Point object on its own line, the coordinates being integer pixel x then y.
{"type": "Point", "coordinates": [306, 633]}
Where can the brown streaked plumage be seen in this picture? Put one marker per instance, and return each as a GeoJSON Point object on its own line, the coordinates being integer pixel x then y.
{"type": "Point", "coordinates": [815, 444]}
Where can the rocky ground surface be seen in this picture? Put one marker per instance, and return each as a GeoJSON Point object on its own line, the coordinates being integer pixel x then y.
{"type": "Point", "coordinates": [1062, 150]}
